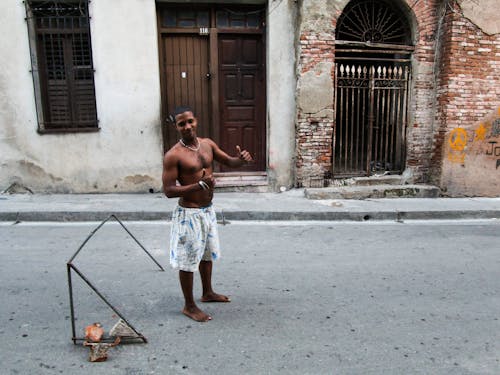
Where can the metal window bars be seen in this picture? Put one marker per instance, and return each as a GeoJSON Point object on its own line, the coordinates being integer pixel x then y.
{"type": "Point", "coordinates": [62, 64]}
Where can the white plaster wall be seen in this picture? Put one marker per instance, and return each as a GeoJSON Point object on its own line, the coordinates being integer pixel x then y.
{"type": "Point", "coordinates": [17, 105]}
{"type": "Point", "coordinates": [281, 86]}
{"type": "Point", "coordinates": [126, 154]}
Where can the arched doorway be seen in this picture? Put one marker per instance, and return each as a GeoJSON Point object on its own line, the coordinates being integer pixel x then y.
{"type": "Point", "coordinates": [372, 80]}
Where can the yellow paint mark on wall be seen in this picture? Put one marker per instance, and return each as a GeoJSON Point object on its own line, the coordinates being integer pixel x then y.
{"type": "Point", "coordinates": [458, 139]}
{"type": "Point", "coordinates": [480, 133]}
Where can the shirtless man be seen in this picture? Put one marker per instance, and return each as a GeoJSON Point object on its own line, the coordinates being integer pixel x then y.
{"type": "Point", "coordinates": [194, 241]}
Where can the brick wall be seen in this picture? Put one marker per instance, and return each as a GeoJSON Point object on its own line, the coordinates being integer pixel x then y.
{"type": "Point", "coordinates": [422, 106]}
{"type": "Point", "coordinates": [455, 84]}
{"type": "Point", "coordinates": [314, 134]}
{"type": "Point", "coordinates": [469, 80]}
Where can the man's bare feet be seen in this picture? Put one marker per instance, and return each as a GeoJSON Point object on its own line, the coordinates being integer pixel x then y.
{"type": "Point", "coordinates": [196, 314]}
{"type": "Point", "coordinates": [214, 297]}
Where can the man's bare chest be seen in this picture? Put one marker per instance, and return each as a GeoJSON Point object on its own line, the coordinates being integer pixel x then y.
{"type": "Point", "coordinates": [194, 161]}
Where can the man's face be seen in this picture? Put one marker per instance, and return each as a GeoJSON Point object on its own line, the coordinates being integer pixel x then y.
{"type": "Point", "coordinates": [186, 124]}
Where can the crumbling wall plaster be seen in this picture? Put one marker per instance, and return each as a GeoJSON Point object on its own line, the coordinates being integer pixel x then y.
{"type": "Point", "coordinates": [315, 90]}
{"type": "Point", "coordinates": [472, 159]}
{"type": "Point", "coordinates": [483, 13]}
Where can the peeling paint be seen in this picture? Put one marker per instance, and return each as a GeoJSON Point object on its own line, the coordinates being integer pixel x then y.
{"type": "Point", "coordinates": [482, 13]}
{"type": "Point", "coordinates": [316, 89]}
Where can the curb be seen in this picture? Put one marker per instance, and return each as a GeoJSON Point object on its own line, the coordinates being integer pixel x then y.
{"type": "Point", "coordinates": [360, 216]}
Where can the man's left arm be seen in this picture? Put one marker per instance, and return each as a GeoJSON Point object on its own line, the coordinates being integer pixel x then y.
{"type": "Point", "coordinates": [242, 158]}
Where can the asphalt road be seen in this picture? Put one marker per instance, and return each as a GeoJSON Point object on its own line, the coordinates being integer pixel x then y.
{"type": "Point", "coordinates": [307, 298]}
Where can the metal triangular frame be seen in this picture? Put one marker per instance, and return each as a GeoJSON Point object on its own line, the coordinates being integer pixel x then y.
{"type": "Point", "coordinates": [71, 267]}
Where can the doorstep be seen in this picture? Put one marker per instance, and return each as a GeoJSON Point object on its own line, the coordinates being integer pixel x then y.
{"type": "Point", "coordinates": [250, 182]}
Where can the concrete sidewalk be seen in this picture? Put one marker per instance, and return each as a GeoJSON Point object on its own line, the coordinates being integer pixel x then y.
{"type": "Point", "coordinates": [289, 205]}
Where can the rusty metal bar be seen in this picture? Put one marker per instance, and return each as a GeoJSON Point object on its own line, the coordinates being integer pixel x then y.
{"type": "Point", "coordinates": [374, 45]}
{"type": "Point", "coordinates": [405, 113]}
{"type": "Point", "coordinates": [349, 129]}
{"type": "Point", "coordinates": [71, 303]}
{"type": "Point", "coordinates": [370, 118]}
{"type": "Point", "coordinates": [386, 123]}
{"type": "Point", "coordinates": [368, 51]}
{"type": "Point", "coordinates": [372, 59]}
{"type": "Point", "coordinates": [335, 114]}
{"type": "Point", "coordinates": [396, 121]}
{"type": "Point", "coordinates": [378, 118]}
{"type": "Point", "coordinates": [358, 118]}
{"type": "Point", "coordinates": [138, 243]}
{"type": "Point", "coordinates": [87, 239]}
{"type": "Point", "coordinates": [341, 116]}
{"type": "Point", "coordinates": [364, 124]}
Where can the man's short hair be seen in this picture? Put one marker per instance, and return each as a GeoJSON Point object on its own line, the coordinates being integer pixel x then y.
{"type": "Point", "coordinates": [178, 111]}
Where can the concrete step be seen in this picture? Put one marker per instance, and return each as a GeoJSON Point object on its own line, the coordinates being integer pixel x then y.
{"type": "Point", "coordinates": [251, 182]}
{"type": "Point", "coordinates": [372, 180]}
{"type": "Point", "coordinates": [373, 191]}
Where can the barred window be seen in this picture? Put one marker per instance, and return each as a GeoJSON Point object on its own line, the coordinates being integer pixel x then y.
{"type": "Point", "coordinates": [63, 72]}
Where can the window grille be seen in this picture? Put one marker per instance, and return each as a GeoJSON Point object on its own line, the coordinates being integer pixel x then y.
{"type": "Point", "coordinates": [222, 17]}
{"type": "Point", "coordinates": [190, 18]}
{"type": "Point", "coordinates": [373, 21]}
{"type": "Point", "coordinates": [62, 65]}
{"type": "Point", "coordinates": [227, 18]}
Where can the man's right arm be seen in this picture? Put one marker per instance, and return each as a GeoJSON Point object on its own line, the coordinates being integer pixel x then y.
{"type": "Point", "coordinates": [169, 178]}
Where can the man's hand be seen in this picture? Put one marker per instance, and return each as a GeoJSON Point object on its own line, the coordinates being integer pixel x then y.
{"type": "Point", "coordinates": [209, 180]}
{"type": "Point", "coordinates": [244, 155]}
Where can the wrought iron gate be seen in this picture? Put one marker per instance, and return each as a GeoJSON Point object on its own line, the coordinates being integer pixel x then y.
{"type": "Point", "coordinates": [371, 117]}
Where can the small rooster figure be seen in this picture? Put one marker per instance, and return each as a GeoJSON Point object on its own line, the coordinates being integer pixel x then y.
{"type": "Point", "coordinates": [98, 350]}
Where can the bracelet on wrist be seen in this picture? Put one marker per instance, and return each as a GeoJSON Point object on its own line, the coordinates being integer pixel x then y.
{"type": "Point", "coordinates": [203, 185]}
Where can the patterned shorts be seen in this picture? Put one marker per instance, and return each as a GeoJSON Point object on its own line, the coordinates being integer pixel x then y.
{"type": "Point", "coordinates": [193, 237]}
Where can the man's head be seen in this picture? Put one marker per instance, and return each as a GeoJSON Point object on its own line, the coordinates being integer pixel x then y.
{"type": "Point", "coordinates": [185, 122]}
{"type": "Point", "coordinates": [179, 110]}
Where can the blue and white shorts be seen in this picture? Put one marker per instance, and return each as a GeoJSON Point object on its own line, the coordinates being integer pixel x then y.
{"type": "Point", "coordinates": [193, 237]}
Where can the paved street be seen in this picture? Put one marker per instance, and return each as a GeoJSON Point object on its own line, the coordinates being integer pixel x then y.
{"type": "Point", "coordinates": [307, 298]}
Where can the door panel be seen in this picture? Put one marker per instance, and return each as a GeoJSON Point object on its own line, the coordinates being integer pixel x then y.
{"type": "Point", "coordinates": [242, 97]}
{"type": "Point", "coordinates": [196, 40]}
{"type": "Point", "coordinates": [186, 64]}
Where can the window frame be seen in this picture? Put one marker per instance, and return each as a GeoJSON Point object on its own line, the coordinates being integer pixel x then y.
{"type": "Point", "coordinates": [66, 105]}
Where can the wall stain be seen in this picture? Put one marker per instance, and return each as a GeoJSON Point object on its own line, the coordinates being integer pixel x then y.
{"type": "Point", "coordinates": [139, 179]}
{"type": "Point", "coordinates": [35, 171]}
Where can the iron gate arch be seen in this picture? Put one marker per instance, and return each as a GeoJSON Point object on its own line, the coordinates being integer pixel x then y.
{"type": "Point", "coordinates": [372, 88]}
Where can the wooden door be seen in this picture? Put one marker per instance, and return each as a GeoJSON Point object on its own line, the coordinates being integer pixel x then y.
{"type": "Point", "coordinates": [242, 97]}
{"type": "Point", "coordinates": [186, 64]}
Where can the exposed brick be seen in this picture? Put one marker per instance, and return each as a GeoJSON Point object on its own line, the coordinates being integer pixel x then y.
{"type": "Point", "coordinates": [457, 82]}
